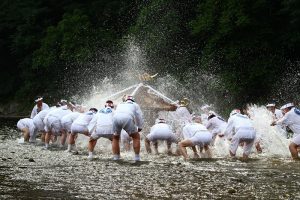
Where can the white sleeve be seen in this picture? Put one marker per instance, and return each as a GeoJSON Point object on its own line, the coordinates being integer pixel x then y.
{"type": "Point", "coordinates": [33, 113]}
{"type": "Point", "coordinates": [185, 132]}
{"type": "Point", "coordinates": [283, 121]}
{"type": "Point", "coordinates": [92, 124]}
{"type": "Point", "coordinates": [230, 128]}
{"type": "Point", "coordinates": [46, 106]}
{"type": "Point", "coordinates": [208, 125]}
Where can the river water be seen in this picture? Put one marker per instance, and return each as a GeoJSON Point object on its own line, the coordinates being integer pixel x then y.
{"type": "Point", "coordinates": [28, 172]}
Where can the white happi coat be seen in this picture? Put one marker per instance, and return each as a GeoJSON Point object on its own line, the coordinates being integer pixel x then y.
{"type": "Point", "coordinates": [197, 133]}
{"type": "Point", "coordinates": [292, 120]}
{"type": "Point", "coordinates": [128, 116]}
{"type": "Point", "coordinates": [102, 123]}
{"type": "Point", "coordinates": [216, 125]}
{"type": "Point", "coordinates": [67, 120]}
{"type": "Point", "coordinates": [34, 111]}
{"type": "Point", "coordinates": [52, 119]}
{"type": "Point", "coordinates": [81, 123]}
{"type": "Point", "coordinates": [161, 131]}
{"type": "Point", "coordinates": [38, 120]}
{"type": "Point", "coordinates": [27, 123]}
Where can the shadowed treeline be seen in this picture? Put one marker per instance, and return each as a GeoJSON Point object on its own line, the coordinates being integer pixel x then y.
{"type": "Point", "coordinates": [231, 51]}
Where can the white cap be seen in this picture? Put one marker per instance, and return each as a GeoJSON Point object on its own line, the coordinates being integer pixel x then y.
{"type": "Point", "coordinates": [235, 111]}
{"type": "Point", "coordinates": [270, 105]}
{"type": "Point", "coordinates": [288, 105]}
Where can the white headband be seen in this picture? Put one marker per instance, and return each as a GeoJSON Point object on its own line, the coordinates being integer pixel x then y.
{"type": "Point", "coordinates": [38, 99]}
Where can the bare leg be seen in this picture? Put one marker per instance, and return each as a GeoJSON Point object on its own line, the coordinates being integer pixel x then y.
{"type": "Point", "coordinates": [92, 144]}
{"type": "Point", "coordinates": [63, 138]}
{"type": "Point", "coordinates": [26, 135]}
{"type": "Point", "coordinates": [182, 145]}
{"type": "Point", "coordinates": [71, 142]}
{"type": "Point", "coordinates": [294, 151]}
{"type": "Point", "coordinates": [207, 151]}
{"type": "Point", "coordinates": [169, 144]}
{"type": "Point", "coordinates": [258, 147]}
{"type": "Point", "coordinates": [72, 138]}
{"type": "Point", "coordinates": [195, 152]}
{"type": "Point", "coordinates": [43, 137]}
{"type": "Point", "coordinates": [116, 146]}
{"type": "Point", "coordinates": [136, 143]}
{"type": "Point", "coordinates": [147, 145]}
{"type": "Point", "coordinates": [47, 139]}
{"type": "Point", "coordinates": [155, 144]}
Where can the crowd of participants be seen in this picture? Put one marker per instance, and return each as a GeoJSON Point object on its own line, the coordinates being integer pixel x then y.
{"type": "Point", "coordinates": [124, 123]}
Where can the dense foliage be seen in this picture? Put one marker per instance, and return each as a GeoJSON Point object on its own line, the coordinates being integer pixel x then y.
{"type": "Point", "coordinates": [250, 46]}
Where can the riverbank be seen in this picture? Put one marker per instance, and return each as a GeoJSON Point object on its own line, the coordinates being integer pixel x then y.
{"type": "Point", "coordinates": [56, 174]}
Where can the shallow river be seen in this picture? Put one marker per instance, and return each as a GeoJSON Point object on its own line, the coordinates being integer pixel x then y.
{"type": "Point", "coordinates": [28, 172]}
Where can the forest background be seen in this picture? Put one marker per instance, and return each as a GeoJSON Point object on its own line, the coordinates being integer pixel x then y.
{"type": "Point", "coordinates": [58, 48]}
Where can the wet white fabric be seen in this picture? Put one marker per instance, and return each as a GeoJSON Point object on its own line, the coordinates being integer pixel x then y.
{"type": "Point", "coordinates": [161, 131]}
{"type": "Point", "coordinates": [102, 119]}
{"type": "Point", "coordinates": [123, 121]}
{"type": "Point", "coordinates": [296, 139]}
{"type": "Point", "coordinates": [102, 124]}
{"type": "Point", "coordinates": [278, 114]}
{"type": "Point", "coordinates": [216, 126]}
{"type": "Point", "coordinates": [83, 121]}
{"type": "Point", "coordinates": [247, 144]}
{"type": "Point", "coordinates": [52, 119]}
{"type": "Point", "coordinates": [292, 120]}
{"type": "Point", "coordinates": [77, 128]}
{"type": "Point", "coordinates": [190, 129]}
{"type": "Point", "coordinates": [204, 119]}
{"type": "Point", "coordinates": [27, 123]}
{"type": "Point", "coordinates": [67, 120]}
{"type": "Point", "coordinates": [53, 124]}
{"type": "Point", "coordinates": [128, 116]}
{"type": "Point", "coordinates": [35, 111]}
{"type": "Point", "coordinates": [38, 120]}
{"type": "Point", "coordinates": [197, 133]}
{"type": "Point", "coordinates": [240, 129]}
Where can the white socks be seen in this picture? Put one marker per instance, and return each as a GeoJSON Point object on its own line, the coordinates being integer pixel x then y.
{"type": "Point", "coordinates": [137, 157]}
{"type": "Point", "coordinates": [116, 157]}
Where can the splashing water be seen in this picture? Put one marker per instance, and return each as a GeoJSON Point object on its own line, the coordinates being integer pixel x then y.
{"type": "Point", "coordinates": [273, 142]}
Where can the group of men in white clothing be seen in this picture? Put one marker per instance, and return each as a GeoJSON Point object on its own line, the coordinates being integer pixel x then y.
{"type": "Point", "coordinates": [125, 122]}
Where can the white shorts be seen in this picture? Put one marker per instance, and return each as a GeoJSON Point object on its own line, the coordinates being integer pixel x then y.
{"type": "Point", "coordinates": [248, 140]}
{"type": "Point", "coordinates": [104, 131]}
{"type": "Point", "coordinates": [21, 126]}
{"type": "Point", "coordinates": [39, 124]}
{"type": "Point", "coordinates": [75, 128]}
{"type": "Point", "coordinates": [201, 138]}
{"type": "Point", "coordinates": [67, 126]}
{"type": "Point", "coordinates": [296, 139]}
{"type": "Point", "coordinates": [123, 121]}
{"type": "Point", "coordinates": [30, 127]}
{"type": "Point", "coordinates": [162, 135]}
{"type": "Point", "coordinates": [53, 124]}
